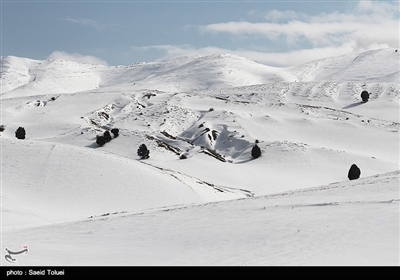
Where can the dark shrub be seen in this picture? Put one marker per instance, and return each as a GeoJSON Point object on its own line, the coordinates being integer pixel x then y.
{"type": "Point", "coordinates": [115, 131]}
{"type": "Point", "coordinates": [256, 151]}
{"type": "Point", "coordinates": [364, 96]}
{"type": "Point", "coordinates": [2, 128]}
{"type": "Point", "coordinates": [100, 140]}
{"type": "Point", "coordinates": [143, 152]}
{"type": "Point", "coordinates": [354, 172]}
{"type": "Point", "coordinates": [20, 133]}
{"type": "Point", "coordinates": [183, 156]}
{"type": "Point", "coordinates": [107, 136]}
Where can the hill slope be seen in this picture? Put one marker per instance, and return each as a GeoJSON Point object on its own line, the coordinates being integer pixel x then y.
{"type": "Point", "coordinates": [23, 77]}
{"type": "Point", "coordinates": [200, 118]}
{"type": "Point", "coordinates": [348, 223]}
{"type": "Point", "coordinates": [371, 66]}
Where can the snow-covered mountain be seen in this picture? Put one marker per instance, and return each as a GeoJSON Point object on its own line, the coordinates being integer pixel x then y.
{"type": "Point", "coordinates": [30, 77]}
{"type": "Point", "coordinates": [371, 66]}
{"type": "Point", "coordinates": [22, 76]}
{"type": "Point", "coordinates": [200, 117]}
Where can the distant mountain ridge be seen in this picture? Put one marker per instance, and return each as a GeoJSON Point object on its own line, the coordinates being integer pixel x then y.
{"type": "Point", "coordinates": [381, 65]}
{"type": "Point", "coordinates": [24, 77]}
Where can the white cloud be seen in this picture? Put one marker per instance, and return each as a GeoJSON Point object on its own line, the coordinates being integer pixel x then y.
{"type": "Point", "coordinates": [317, 30]}
{"type": "Point", "coordinates": [76, 57]}
{"type": "Point", "coordinates": [86, 22]}
{"type": "Point", "coordinates": [366, 26]}
{"type": "Point", "coordinates": [378, 7]}
{"type": "Point", "coordinates": [301, 37]}
{"type": "Point", "coordinates": [276, 15]}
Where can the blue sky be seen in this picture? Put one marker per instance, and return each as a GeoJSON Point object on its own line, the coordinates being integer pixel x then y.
{"type": "Point", "coordinates": [278, 33]}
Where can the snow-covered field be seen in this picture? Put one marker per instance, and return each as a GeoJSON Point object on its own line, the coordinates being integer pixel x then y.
{"type": "Point", "coordinates": [61, 193]}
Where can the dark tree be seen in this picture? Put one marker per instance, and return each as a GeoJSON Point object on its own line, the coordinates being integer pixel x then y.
{"type": "Point", "coordinates": [183, 156]}
{"type": "Point", "coordinates": [107, 136]}
{"type": "Point", "coordinates": [354, 172]}
{"type": "Point", "coordinates": [100, 140]}
{"type": "Point", "coordinates": [255, 151]}
{"type": "Point", "coordinates": [364, 96]}
{"type": "Point", "coordinates": [20, 133]}
{"type": "Point", "coordinates": [143, 152]}
{"type": "Point", "coordinates": [115, 131]}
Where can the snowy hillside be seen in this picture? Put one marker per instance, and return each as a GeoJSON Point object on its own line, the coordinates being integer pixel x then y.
{"type": "Point", "coordinates": [371, 66]}
{"type": "Point", "coordinates": [22, 77]}
{"type": "Point", "coordinates": [31, 77]}
{"type": "Point", "coordinates": [200, 118]}
{"type": "Point", "coordinates": [348, 223]}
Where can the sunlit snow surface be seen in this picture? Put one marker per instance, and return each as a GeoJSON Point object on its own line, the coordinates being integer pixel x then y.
{"type": "Point", "coordinates": [294, 205]}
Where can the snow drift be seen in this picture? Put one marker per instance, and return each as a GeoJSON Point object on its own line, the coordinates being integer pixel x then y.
{"type": "Point", "coordinates": [348, 223]}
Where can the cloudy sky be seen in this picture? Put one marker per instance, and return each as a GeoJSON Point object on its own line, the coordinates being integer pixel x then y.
{"type": "Point", "coordinates": [278, 33]}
